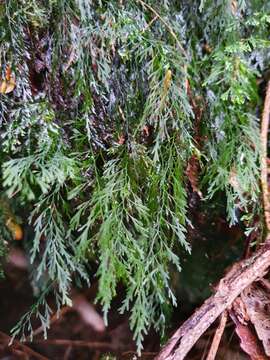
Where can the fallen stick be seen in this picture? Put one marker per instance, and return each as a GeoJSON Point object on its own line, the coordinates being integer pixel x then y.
{"type": "Point", "coordinates": [241, 275]}
{"type": "Point", "coordinates": [217, 337]}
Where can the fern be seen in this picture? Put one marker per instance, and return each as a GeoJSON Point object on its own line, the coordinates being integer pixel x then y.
{"type": "Point", "coordinates": [112, 101]}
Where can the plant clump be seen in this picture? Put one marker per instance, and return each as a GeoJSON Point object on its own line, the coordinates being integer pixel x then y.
{"type": "Point", "coordinates": [112, 114]}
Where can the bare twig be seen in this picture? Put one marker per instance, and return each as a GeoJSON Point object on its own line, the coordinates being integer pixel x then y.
{"type": "Point", "coordinates": [264, 172]}
{"type": "Point", "coordinates": [77, 343]}
{"type": "Point", "coordinates": [134, 353]}
{"type": "Point", "coordinates": [241, 275]}
{"type": "Point", "coordinates": [150, 24]}
{"type": "Point", "coordinates": [217, 337]}
{"type": "Point", "coordinates": [149, 7]}
{"type": "Point", "coordinates": [25, 348]}
{"type": "Point", "coordinates": [59, 314]}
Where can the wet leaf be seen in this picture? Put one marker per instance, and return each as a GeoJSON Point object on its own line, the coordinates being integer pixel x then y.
{"type": "Point", "coordinates": [248, 340]}
{"type": "Point", "coordinates": [257, 301]}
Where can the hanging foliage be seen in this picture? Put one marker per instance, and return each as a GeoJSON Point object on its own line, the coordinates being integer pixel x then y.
{"type": "Point", "coordinates": [112, 113]}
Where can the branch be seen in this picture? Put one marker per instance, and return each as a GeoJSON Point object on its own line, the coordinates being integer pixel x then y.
{"type": "Point", "coordinates": [149, 7]}
{"type": "Point", "coordinates": [27, 350]}
{"type": "Point", "coordinates": [53, 319]}
{"type": "Point", "coordinates": [264, 172]}
{"type": "Point", "coordinates": [150, 24]}
{"type": "Point", "coordinates": [241, 275]}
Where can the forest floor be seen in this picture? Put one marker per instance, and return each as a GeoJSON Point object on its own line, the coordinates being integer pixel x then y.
{"type": "Point", "coordinates": [79, 333]}
{"type": "Point", "coordinates": [72, 335]}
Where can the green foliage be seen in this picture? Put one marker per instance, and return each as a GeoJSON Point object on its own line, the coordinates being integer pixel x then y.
{"type": "Point", "coordinates": [41, 311]}
{"type": "Point", "coordinates": [97, 135]}
{"type": "Point", "coordinates": [140, 209]}
{"type": "Point", "coordinates": [4, 237]}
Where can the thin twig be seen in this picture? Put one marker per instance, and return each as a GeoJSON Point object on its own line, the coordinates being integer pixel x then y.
{"type": "Point", "coordinates": [149, 7]}
{"type": "Point", "coordinates": [25, 348]}
{"type": "Point", "coordinates": [264, 172]}
{"type": "Point", "coordinates": [241, 275]}
{"type": "Point", "coordinates": [145, 353]}
{"type": "Point", "coordinates": [77, 343]}
{"type": "Point", "coordinates": [217, 337]}
{"type": "Point", "coordinates": [53, 319]}
{"type": "Point", "coordinates": [150, 24]}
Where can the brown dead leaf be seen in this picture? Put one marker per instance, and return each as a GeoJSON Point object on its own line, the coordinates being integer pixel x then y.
{"type": "Point", "coordinates": [207, 49]}
{"type": "Point", "coordinates": [233, 180]}
{"type": "Point", "coordinates": [72, 57]}
{"type": "Point", "coordinates": [8, 73]}
{"type": "Point", "coordinates": [257, 301]}
{"type": "Point", "coordinates": [15, 229]}
{"type": "Point", "coordinates": [6, 86]}
{"type": "Point", "coordinates": [146, 130]}
{"type": "Point", "coordinates": [234, 7]}
{"type": "Point", "coordinates": [121, 139]}
{"type": "Point", "coordinates": [240, 311]}
{"type": "Point", "coordinates": [192, 172]}
{"type": "Point", "coordinates": [11, 85]}
{"type": "Point", "coordinates": [248, 340]}
{"type": "Point", "coordinates": [3, 87]}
